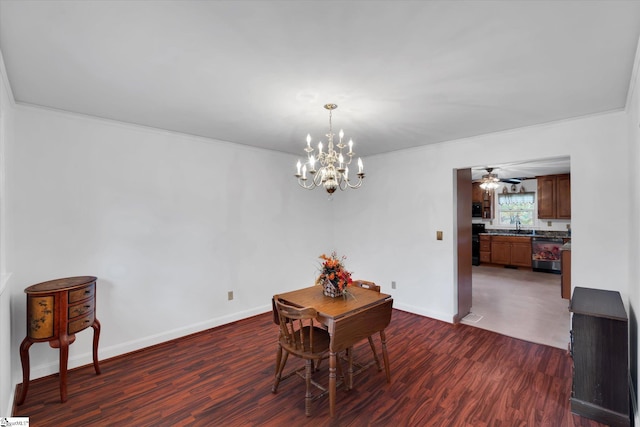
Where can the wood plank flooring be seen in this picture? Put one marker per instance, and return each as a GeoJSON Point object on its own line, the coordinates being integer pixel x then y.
{"type": "Point", "coordinates": [442, 375]}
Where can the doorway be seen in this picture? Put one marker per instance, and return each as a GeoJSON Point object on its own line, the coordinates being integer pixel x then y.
{"type": "Point", "coordinates": [520, 303]}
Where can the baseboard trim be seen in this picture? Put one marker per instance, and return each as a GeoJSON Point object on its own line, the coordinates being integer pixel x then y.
{"type": "Point", "coordinates": [598, 413]}
{"type": "Point", "coordinates": [445, 317]}
{"type": "Point", "coordinates": [634, 402]}
{"type": "Point", "coordinates": [104, 353]}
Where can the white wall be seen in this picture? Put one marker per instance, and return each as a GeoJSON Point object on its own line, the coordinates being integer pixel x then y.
{"type": "Point", "coordinates": [393, 222]}
{"type": "Point", "coordinates": [168, 223]}
{"type": "Point", "coordinates": [6, 350]}
{"type": "Point", "coordinates": [633, 126]}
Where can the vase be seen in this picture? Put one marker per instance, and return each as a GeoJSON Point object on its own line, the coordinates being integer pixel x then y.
{"type": "Point", "coordinates": [331, 291]}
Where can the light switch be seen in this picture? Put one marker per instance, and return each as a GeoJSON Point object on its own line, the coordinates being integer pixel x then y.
{"type": "Point", "coordinates": [439, 235]}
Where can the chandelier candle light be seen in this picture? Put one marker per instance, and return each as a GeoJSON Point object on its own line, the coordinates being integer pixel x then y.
{"type": "Point", "coordinates": [333, 170]}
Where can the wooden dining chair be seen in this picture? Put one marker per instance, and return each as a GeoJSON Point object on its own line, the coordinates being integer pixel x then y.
{"type": "Point", "coordinates": [365, 284]}
{"type": "Point", "coordinates": [300, 337]}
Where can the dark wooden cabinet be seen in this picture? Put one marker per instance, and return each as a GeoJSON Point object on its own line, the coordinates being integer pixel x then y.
{"type": "Point", "coordinates": [554, 196]}
{"type": "Point", "coordinates": [599, 347]}
{"type": "Point", "coordinates": [56, 311]}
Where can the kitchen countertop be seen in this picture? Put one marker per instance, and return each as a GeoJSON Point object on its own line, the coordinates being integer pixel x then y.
{"type": "Point", "coordinates": [528, 233]}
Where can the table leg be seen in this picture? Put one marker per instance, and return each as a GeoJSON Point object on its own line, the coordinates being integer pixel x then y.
{"type": "Point", "coordinates": [385, 355]}
{"type": "Point", "coordinates": [332, 382]}
{"type": "Point", "coordinates": [64, 357]}
{"type": "Point", "coordinates": [24, 359]}
{"type": "Point", "coordinates": [350, 370]}
{"type": "Point", "coordinates": [96, 337]}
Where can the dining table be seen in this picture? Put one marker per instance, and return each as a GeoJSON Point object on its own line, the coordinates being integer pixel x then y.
{"type": "Point", "coordinates": [349, 319]}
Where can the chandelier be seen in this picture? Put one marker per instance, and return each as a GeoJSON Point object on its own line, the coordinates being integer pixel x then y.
{"type": "Point", "coordinates": [333, 168]}
{"type": "Point", "coordinates": [490, 181]}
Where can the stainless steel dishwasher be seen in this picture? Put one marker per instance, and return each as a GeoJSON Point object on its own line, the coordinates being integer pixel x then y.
{"type": "Point", "coordinates": [546, 255]}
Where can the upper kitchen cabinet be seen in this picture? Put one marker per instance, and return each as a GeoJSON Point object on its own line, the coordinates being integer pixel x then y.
{"type": "Point", "coordinates": [554, 196]}
{"type": "Point", "coordinates": [485, 198]}
{"type": "Point", "coordinates": [476, 192]}
{"type": "Point", "coordinates": [564, 197]}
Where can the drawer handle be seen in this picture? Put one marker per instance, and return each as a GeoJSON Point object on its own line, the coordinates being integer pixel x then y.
{"type": "Point", "coordinates": [87, 321]}
{"type": "Point", "coordinates": [87, 292]}
{"type": "Point", "coordinates": [87, 306]}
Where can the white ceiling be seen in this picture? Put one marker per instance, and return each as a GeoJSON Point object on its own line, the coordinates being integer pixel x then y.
{"type": "Point", "coordinates": [525, 169]}
{"type": "Point", "coordinates": [404, 73]}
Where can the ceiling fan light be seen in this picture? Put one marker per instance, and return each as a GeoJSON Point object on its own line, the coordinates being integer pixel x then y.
{"type": "Point", "coordinates": [490, 181]}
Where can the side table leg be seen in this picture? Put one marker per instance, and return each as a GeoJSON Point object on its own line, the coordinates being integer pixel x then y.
{"type": "Point", "coordinates": [96, 338]}
{"type": "Point", "coordinates": [64, 357]}
{"type": "Point", "coordinates": [24, 359]}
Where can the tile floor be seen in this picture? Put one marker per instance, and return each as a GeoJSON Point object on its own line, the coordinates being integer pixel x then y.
{"type": "Point", "coordinates": [521, 304]}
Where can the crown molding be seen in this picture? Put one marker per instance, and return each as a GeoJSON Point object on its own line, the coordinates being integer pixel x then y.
{"type": "Point", "coordinates": [634, 77]}
{"type": "Point", "coordinates": [5, 80]}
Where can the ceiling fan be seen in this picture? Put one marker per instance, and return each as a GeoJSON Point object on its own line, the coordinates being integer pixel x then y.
{"type": "Point", "coordinates": [490, 176]}
{"type": "Point", "coordinates": [519, 171]}
{"type": "Point", "coordinates": [495, 177]}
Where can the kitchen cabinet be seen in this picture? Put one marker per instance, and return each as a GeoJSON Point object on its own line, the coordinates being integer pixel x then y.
{"type": "Point", "coordinates": [563, 201]}
{"type": "Point", "coordinates": [485, 198]}
{"type": "Point", "coordinates": [565, 279]}
{"type": "Point", "coordinates": [485, 248]}
{"type": "Point", "coordinates": [476, 193]}
{"type": "Point", "coordinates": [511, 250]}
{"type": "Point", "coordinates": [554, 196]}
{"type": "Point", "coordinates": [521, 252]}
{"type": "Point", "coordinates": [600, 352]}
{"type": "Point", "coordinates": [500, 252]}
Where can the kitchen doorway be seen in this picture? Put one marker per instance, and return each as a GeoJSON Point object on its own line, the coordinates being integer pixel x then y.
{"type": "Point", "coordinates": [520, 303]}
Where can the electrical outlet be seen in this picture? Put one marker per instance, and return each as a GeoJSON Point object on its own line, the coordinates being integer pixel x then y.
{"type": "Point", "coordinates": [438, 235]}
{"type": "Point", "coordinates": [393, 285]}
{"type": "Point", "coordinates": [568, 226]}
{"type": "Point", "coordinates": [230, 295]}
{"type": "Point", "coordinates": [549, 223]}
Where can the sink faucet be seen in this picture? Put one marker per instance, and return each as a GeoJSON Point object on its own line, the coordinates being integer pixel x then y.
{"type": "Point", "coordinates": [518, 224]}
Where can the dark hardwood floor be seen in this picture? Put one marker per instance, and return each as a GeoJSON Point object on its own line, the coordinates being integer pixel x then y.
{"type": "Point", "coordinates": [441, 376]}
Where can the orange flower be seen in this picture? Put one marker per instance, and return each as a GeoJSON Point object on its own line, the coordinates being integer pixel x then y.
{"type": "Point", "coordinates": [333, 270]}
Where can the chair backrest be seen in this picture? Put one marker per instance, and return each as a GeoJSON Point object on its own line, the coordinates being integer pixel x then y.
{"type": "Point", "coordinates": [296, 325]}
{"type": "Point", "coordinates": [366, 285]}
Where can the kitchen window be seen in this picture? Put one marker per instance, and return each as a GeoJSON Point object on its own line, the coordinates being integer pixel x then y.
{"type": "Point", "coordinates": [516, 207]}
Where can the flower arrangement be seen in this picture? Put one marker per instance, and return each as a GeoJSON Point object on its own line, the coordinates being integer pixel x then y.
{"type": "Point", "coordinates": [333, 272]}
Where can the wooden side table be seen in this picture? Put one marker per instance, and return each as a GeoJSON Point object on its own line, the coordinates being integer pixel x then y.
{"type": "Point", "coordinates": [56, 311]}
